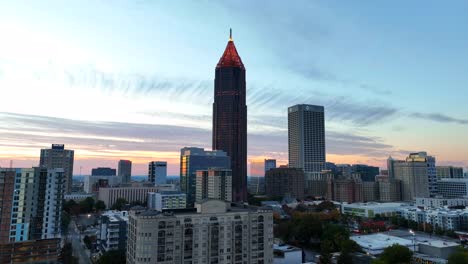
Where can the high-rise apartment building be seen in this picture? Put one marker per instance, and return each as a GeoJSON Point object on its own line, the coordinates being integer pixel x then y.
{"type": "Point", "coordinates": [281, 182]}
{"type": "Point", "coordinates": [215, 233]}
{"type": "Point", "coordinates": [370, 191]}
{"type": "Point", "coordinates": [193, 159]}
{"type": "Point", "coordinates": [417, 174]}
{"type": "Point", "coordinates": [103, 171]}
{"type": "Point", "coordinates": [449, 172]}
{"type": "Point", "coordinates": [230, 117]}
{"type": "Point", "coordinates": [214, 183]}
{"type": "Point", "coordinates": [31, 208]}
{"type": "Point", "coordinates": [58, 157]}
{"type": "Point", "coordinates": [125, 170]}
{"type": "Point", "coordinates": [306, 140]}
{"type": "Point", "coordinates": [269, 164]}
{"type": "Point", "coordinates": [157, 172]}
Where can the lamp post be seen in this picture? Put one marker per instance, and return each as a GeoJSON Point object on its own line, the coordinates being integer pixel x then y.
{"type": "Point", "coordinates": [414, 239]}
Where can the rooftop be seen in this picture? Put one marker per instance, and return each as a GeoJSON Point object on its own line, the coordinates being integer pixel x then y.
{"type": "Point", "coordinates": [285, 248]}
{"type": "Point", "coordinates": [380, 241]}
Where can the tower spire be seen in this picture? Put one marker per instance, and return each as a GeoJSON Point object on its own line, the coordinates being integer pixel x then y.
{"type": "Point", "coordinates": [230, 34]}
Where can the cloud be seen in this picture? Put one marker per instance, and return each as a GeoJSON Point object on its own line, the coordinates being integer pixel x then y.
{"type": "Point", "coordinates": [440, 118]}
{"type": "Point", "coordinates": [101, 139]}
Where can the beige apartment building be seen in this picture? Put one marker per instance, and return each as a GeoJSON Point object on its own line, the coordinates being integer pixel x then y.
{"type": "Point", "coordinates": [215, 233]}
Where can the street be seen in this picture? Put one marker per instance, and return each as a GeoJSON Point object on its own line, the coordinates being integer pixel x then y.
{"type": "Point", "coordinates": [78, 249]}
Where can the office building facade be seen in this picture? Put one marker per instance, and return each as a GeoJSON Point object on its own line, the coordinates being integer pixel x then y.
{"type": "Point", "coordinates": [92, 184]}
{"type": "Point", "coordinates": [193, 159]}
{"type": "Point", "coordinates": [389, 189]}
{"type": "Point", "coordinates": [230, 117]}
{"type": "Point", "coordinates": [103, 171]}
{"type": "Point", "coordinates": [157, 172]}
{"type": "Point", "coordinates": [57, 157]}
{"type": "Point", "coordinates": [449, 172]}
{"type": "Point", "coordinates": [285, 182]}
{"type": "Point", "coordinates": [125, 170]}
{"type": "Point", "coordinates": [366, 172]}
{"type": "Point", "coordinates": [306, 140]}
{"type": "Point", "coordinates": [215, 233]}
{"type": "Point", "coordinates": [214, 183]}
{"type": "Point", "coordinates": [109, 195]}
{"type": "Point", "coordinates": [417, 175]}
{"type": "Point", "coordinates": [452, 188]}
{"type": "Point", "coordinates": [345, 189]}
{"type": "Point", "coordinates": [165, 200]}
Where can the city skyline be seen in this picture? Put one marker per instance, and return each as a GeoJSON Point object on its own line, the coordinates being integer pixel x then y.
{"type": "Point", "coordinates": [112, 95]}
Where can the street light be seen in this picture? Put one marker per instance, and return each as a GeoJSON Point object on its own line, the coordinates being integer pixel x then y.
{"type": "Point", "coordinates": [414, 240]}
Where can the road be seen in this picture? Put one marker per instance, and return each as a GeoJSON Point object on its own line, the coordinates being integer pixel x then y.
{"type": "Point", "coordinates": [78, 249]}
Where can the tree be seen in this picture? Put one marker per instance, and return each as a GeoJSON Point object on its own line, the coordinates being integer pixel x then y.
{"type": "Point", "coordinates": [459, 257]}
{"type": "Point", "coordinates": [100, 205]}
{"type": "Point", "coordinates": [65, 222]}
{"type": "Point", "coordinates": [112, 257]}
{"type": "Point", "coordinates": [326, 205]}
{"type": "Point", "coordinates": [396, 254]}
{"type": "Point", "coordinates": [326, 249]}
{"type": "Point", "coordinates": [87, 205]}
{"type": "Point", "coordinates": [119, 203]}
{"type": "Point", "coordinates": [345, 258]}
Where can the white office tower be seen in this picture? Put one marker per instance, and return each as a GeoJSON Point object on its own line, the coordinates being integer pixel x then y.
{"type": "Point", "coordinates": [215, 233]}
{"type": "Point", "coordinates": [306, 141]}
{"type": "Point", "coordinates": [157, 172]}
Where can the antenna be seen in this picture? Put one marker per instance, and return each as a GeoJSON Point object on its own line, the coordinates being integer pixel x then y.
{"type": "Point", "coordinates": [230, 34]}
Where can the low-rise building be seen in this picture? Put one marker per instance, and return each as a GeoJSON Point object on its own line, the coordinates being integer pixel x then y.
{"type": "Point", "coordinates": [371, 209]}
{"type": "Point", "coordinates": [113, 230]}
{"type": "Point", "coordinates": [444, 218]}
{"type": "Point", "coordinates": [109, 195]}
{"type": "Point", "coordinates": [215, 233]}
{"type": "Point", "coordinates": [286, 254]}
{"type": "Point", "coordinates": [375, 244]}
{"type": "Point", "coordinates": [439, 202]}
{"type": "Point", "coordinates": [78, 197]}
{"type": "Point", "coordinates": [167, 200]}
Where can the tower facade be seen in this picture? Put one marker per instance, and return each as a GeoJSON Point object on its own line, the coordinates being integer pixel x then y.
{"type": "Point", "coordinates": [157, 172]}
{"type": "Point", "coordinates": [58, 157]}
{"type": "Point", "coordinates": [306, 140]}
{"type": "Point", "coordinates": [125, 170]}
{"type": "Point", "coordinates": [230, 117]}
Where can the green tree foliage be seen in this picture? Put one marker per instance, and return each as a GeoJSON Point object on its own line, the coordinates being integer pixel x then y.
{"type": "Point", "coordinates": [87, 205]}
{"type": "Point", "coordinates": [459, 257]}
{"type": "Point", "coordinates": [112, 257]}
{"type": "Point", "coordinates": [65, 222]}
{"type": "Point", "coordinates": [119, 203]}
{"type": "Point", "coordinates": [395, 254]}
{"type": "Point", "coordinates": [100, 205]}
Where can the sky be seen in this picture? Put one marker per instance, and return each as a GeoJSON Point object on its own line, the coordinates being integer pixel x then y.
{"type": "Point", "coordinates": [134, 79]}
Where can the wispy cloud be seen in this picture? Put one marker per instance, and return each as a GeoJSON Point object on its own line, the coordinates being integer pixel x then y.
{"type": "Point", "coordinates": [440, 118]}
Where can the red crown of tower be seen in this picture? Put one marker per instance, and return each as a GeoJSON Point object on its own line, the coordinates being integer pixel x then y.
{"type": "Point", "coordinates": [230, 56]}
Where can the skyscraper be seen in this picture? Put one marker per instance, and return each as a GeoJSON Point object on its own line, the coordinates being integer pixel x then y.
{"type": "Point", "coordinates": [306, 140]}
{"type": "Point", "coordinates": [417, 174]}
{"type": "Point", "coordinates": [125, 170]}
{"type": "Point", "coordinates": [230, 117]}
{"type": "Point", "coordinates": [157, 172]}
{"type": "Point", "coordinates": [30, 215]}
{"type": "Point", "coordinates": [58, 157]}
{"type": "Point", "coordinates": [193, 159]}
